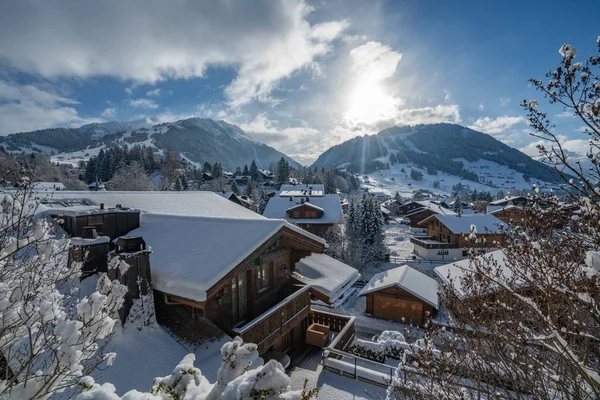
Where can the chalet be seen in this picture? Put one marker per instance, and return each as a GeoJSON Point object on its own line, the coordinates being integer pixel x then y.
{"type": "Point", "coordinates": [316, 190]}
{"type": "Point", "coordinates": [329, 279]}
{"type": "Point", "coordinates": [266, 175]}
{"type": "Point", "coordinates": [408, 207]}
{"type": "Point", "coordinates": [96, 186]}
{"type": "Point", "coordinates": [452, 274]}
{"type": "Point", "coordinates": [511, 215]}
{"type": "Point", "coordinates": [219, 269]}
{"type": "Point", "coordinates": [510, 201]}
{"type": "Point", "coordinates": [242, 180]}
{"type": "Point", "coordinates": [447, 235]}
{"type": "Point", "coordinates": [236, 199]}
{"type": "Point", "coordinates": [207, 177]}
{"type": "Point", "coordinates": [315, 214]}
{"type": "Point", "coordinates": [427, 209]}
{"type": "Point", "coordinates": [401, 294]}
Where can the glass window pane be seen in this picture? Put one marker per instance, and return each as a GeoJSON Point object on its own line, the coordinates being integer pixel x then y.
{"type": "Point", "coordinates": [234, 307]}
{"type": "Point", "coordinates": [242, 295]}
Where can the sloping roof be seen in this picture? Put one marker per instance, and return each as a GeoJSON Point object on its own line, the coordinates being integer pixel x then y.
{"type": "Point", "coordinates": [506, 199]}
{"type": "Point", "coordinates": [191, 204]}
{"type": "Point", "coordinates": [326, 275]}
{"type": "Point", "coordinates": [407, 278]}
{"type": "Point", "coordinates": [484, 223]}
{"type": "Point", "coordinates": [307, 204]}
{"type": "Point", "coordinates": [48, 186]}
{"type": "Point", "coordinates": [452, 273]}
{"type": "Point", "coordinates": [495, 209]}
{"type": "Point", "coordinates": [302, 190]}
{"type": "Point", "coordinates": [191, 254]}
{"type": "Point", "coordinates": [428, 205]}
{"type": "Point", "coordinates": [277, 208]}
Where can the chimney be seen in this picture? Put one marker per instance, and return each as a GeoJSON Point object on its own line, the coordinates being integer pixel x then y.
{"type": "Point", "coordinates": [102, 206]}
{"type": "Point", "coordinates": [119, 206]}
{"type": "Point", "coordinates": [302, 200]}
{"type": "Point", "coordinates": [307, 199]}
{"type": "Point", "coordinates": [89, 232]}
{"type": "Point", "coordinates": [291, 198]}
{"type": "Point", "coordinates": [130, 244]}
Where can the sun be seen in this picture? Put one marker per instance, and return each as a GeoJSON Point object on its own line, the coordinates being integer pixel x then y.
{"type": "Point", "coordinates": [370, 102]}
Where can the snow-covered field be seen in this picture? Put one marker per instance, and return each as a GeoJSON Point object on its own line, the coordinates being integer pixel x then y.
{"type": "Point", "coordinates": [335, 387]}
{"type": "Point", "coordinates": [393, 180]}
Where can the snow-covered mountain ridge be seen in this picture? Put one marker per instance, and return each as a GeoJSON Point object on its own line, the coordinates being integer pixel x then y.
{"type": "Point", "coordinates": [441, 152]}
{"type": "Point", "coordinates": [198, 140]}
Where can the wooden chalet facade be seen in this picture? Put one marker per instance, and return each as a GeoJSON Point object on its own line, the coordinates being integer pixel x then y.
{"type": "Point", "coordinates": [512, 215]}
{"type": "Point", "coordinates": [401, 294]}
{"type": "Point", "coordinates": [445, 241]}
{"type": "Point", "coordinates": [257, 300]}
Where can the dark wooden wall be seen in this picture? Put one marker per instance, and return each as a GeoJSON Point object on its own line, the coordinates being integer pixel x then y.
{"type": "Point", "coordinates": [395, 304]}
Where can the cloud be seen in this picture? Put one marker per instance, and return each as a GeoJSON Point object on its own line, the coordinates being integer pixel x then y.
{"type": "Point", "coordinates": [109, 112]}
{"type": "Point", "coordinates": [153, 93]}
{"type": "Point", "coordinates": [481, 106]}
{"type": "Point", "coordinates": [153, 40]}
{"type": "Point", "coordinates": [429, 115]}
{"type": "Point", "coordinates": [496, 125]}
{"type": "Point", "coordinates": [142, 103]}
{"type": "Point", "coordinates": [28, 107]}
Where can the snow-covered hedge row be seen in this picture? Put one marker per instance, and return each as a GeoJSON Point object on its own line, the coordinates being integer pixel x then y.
{"type": "Point", "coordinates": [394, 344]}
{"type": "Point", "coordinates": [367, 349]}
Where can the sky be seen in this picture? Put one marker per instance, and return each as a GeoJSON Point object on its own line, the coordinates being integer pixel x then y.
{"type": "Point", "coordinates": [298, 75]}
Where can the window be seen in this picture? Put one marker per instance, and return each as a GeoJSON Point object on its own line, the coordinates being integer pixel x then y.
{"type": "Point", "coordinates": [296, 214]}
{"type": "Point", "coordinates": [264, 275]}
{"type": "Point", "coordinates": [311, 214]}
{"type": "Point", "coordinates": [238, 298]}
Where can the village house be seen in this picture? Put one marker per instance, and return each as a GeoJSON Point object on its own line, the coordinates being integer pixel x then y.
{"type": "Point", "coordinates": [511, 214]}
{"type": "Point", "coordinates": [447, 236]}
{"type": "Point", "coordinates": [401, 294]}
{"type": "Point", "coordinates": [299, 190]}
{"type": "Point", "coordinates": [315, 214]}
{"type": "Point", "coordinates": [427, 209]}
{"type": "Point", "coordinates": [48, 186]}
{"type": "Point", "coordinates": [217, 268]}
{"type": "Point", "coordinates": [510, 201]}
{"type": "Point", "coordinates": [235, 198]}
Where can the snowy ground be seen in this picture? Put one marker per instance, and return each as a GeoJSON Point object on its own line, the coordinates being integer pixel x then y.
{"type": "Point", "coordinates": [393, 180]}
{"type": "Point", "coordinates": [335, 387]}
{"type": "Point", "coordinates": [150, 353]}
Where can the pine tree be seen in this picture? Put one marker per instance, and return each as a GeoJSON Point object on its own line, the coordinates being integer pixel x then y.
{"type": "Point", "coordinates": [206, 167]}
{"type": "Point", "coordinates": [283, 172]}
{"type": "Point", "coordinates": [457, 206]}
{"type": "Point", "coordinates": [246, 172]}
{"type": "Point", "coordinates": [263, 202]}
{"type": "Point", "coordinates": [184, 182]}
{"type": "Point", "coordinates": [177, 185]}
{"type": "Point", "coordinates": [329, 180]}
{"type": "Point", "coordinates": [254, 173]}
{"type": "Point", "coordinates": [217, 171]}
{"type": "Point", "coordinates": [235, 188]}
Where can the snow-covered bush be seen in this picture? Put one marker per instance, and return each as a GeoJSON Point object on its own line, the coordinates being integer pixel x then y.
{"type": "Point", "coordinates": [367, 349]}
{"type": "Point", "coordinates": [242, 376]}
{"type": "Point", "coordinates": [50, 334]}
{"type": "Point", "coordinates": [394, 344]}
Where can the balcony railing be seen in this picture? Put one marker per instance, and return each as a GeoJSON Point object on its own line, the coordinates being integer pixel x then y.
{"type": "Point", "coordinates": [271, 326]}
{"type": "Point", "coordinates": [429, 243]}
{"type": "Point", "coordinates": [342, 325]}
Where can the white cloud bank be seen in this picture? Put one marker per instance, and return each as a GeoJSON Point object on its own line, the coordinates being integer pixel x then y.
{"type": "Point", "coordinates": [496, 125]}
{"type": "Point", "coordinates": [146, 41]}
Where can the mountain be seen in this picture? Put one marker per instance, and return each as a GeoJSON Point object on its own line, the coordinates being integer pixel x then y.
{"type": "Point", "coordinates": [450, 149]}
{"type": "Point", "coordinates": [197, 139]}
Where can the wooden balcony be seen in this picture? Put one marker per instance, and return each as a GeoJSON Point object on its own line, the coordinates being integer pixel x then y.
{"type": "Point", "coordinates": [271, 326]}
{"type": "Point", "coordinates": [429, 243]}
{"type": "Point", "coordinates": [341, 325]}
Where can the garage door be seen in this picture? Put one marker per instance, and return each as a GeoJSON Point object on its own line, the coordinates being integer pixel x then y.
{"type": "Point", "coordinates": [393, 308]}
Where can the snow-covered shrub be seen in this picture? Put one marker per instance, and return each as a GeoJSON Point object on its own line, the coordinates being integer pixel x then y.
{"type": "Point", "coordinates": [394, 343]}
{"type": "Point", "coordinates": [242, 376]}
{"type": "Point", "coordinates": [367, 349]}
{"type": "Point", "coordinates": [51, 334]}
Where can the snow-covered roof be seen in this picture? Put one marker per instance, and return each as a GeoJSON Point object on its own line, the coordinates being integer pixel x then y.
{"type": "Point", "coordinates": [48, 186]}
{"type": "Point", "coordinates": [192, 204]}
{"type": "Point", "coordinates": [429, 205]}
{"type": "Point", "coordinates": [483, 223]}
{"type": "Point", "coordinates": [506, 199]}
{"type": "Point", "coordinates": [191, 254]}
{"type": "Point", "coordinates": [307, 204]}
{"type": "Point", "coordinates": [452, 273]}
{"type": "Point", "coordinates": [495, 209]}
{"type": "Point", "coordinates": [331, 205]}
{"type": "Point", "coordinates": [326, 275]}
{"type": "Point", "coordinates": [407, 278]}
{"type": "Point", "coordinates": [310, 190]}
